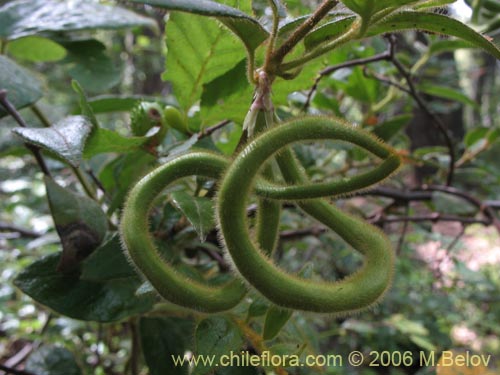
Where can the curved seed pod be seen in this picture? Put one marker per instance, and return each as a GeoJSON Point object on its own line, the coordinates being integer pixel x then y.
{"type": "Point", "coordinates": [356, 292]}
{"type": "Point", "coordinates": [139, 244]}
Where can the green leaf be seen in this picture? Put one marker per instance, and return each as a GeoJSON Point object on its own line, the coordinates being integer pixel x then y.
{"type": "Point", "coordinates": [89, 64]}
{"type": "Point", "coordinates": [388, 129]}
{"type": "Point", "coordinates": [226, 97]}
{"type": "Point", "coordinates": [329, 31]}
{"type": "Point", "coordinates": [198, 210]}
{"type": "Point", "coordinates": [434, 23]}
{"type": "Point", "coordinates": [258, 308]}
{"type": "Point", "coordinates": [121, 173]}
{"type": "Point", "coordinates": [198, 52]}
{"type": "Point", "coordinates": [276, 318]}
{"type": "Point", "coordinates": [441, 46]}
{"type": "Point", "coordinates": [423, 342]}
{"type": "Point", "coordinates": [79, 221]}
{"type": "Point", "coordinates": [104, 141]}
{"type": "Point", "coordinates": [52, 360]}
{"type": "Point", "coordinates": [104, 292]}
{"type": "Point", "coordinates": [448, 93]}
{"type": "Point", "coordinates": [30, 17]}
{"type": "Point", "coordinates": [118, 103]}
{"type": "Point", "coordinates": [248, 29]}
{"type": "Point", "coordinates": [163, 338]}
{"type": "Point", "coordinates": [36, 48]}
{"type": "Point", "coordinates": [66, 138]}
{"type": "Point", "coordinates": [23, 88]}
{"type": "Point", "coordinates": [216, 336]}
{"type": "Point", "coordinates": [84, 104]}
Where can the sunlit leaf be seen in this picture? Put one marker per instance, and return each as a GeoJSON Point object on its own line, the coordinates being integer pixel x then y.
{"type": "Point", "coordinates": [248, 29]}
{"type": "Point", "coordinates": [36, 48]}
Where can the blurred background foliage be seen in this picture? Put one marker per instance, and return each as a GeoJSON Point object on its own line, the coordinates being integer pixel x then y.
{"type": "Point", "coordinates": [447, 285]}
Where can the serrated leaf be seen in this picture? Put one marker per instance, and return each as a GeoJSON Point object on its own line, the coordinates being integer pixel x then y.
{"type": "Point", "coordinates": [36, 49]}
{"type": "Point", "coordinates": [66, 138]}
{"type": "Point", "coordinates": [52, 360]}
{"type": "Point", "coordinates": [276, 318]}
{"type": "Point", "coordinates": [163, 338]}
{"type": "Point", "coordinates": [104, 292]}
{"type": "Point", "coordinates": [248, 29]}
{"type": "Point", "coordinates": [30, 17]}
{"type": "Point", "coordinates": [448, 93]}
{"type": "Point", "coordinates": [198, 52]}
{"type": "Point", "coordinates": [436, 23]}
{"type": "Point", "coordinates": [329, 31]}
{"type": "Point", "coordinates": [226, 97]}
{"type": "Point", "coordinates": [23, 88]}
{"type": "Point", "coordinates": [388, 129]}
{"type": "Point", "coordinates": [198, 210]}
{"type": "Point", "coordinates": [216, 336]}
{"type": "Point", "coordinates": [79, 221]}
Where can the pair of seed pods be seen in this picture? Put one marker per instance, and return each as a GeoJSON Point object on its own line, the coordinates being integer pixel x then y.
{"type": "Point", "coordinates": [238, 178]}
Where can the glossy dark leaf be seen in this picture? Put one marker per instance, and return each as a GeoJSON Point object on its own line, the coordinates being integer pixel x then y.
{"type": "Point", "coordinates": [29, 17]}
{"type": "Point", "coordinates": [104, 292]}
{"type": "Point", "coordinates": [79, 221]}
{"type": "Point", "coordinates": [23, 88]}
{"type": "Point", "coordinates": [52, 360]}
{"type": "Point", "coordinates": [163, 338]}
{"type": "Point", "coordinates": [66, 138]}
{"type": "Point", "coordinates": [89, 64]}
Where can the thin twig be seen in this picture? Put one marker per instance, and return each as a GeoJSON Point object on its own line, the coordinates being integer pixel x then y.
{"type": "Point", "coordinates": [384, 56]}
{"type": "Point", "coordinates": [11, 110]}
{"type": "Point", "coordinates": [438, 123]}
{"type": "Point", "coordinates": [6, 227]}
{"type": "Point", "coordinates": [209, 131]}
{"type": "Point", "coordinates": [278, 55]}
{"type": "Point", "coordinates": [404, 230]}
{"type": "Point", "coordinates": [434, 217]}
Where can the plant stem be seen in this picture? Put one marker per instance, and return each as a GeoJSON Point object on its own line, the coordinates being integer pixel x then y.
{"type": "Point", "coordinates": [41, 116]}
{"type": "Point", "coordinates": [317, 52]}
{"type": "Point", "coordinates": [299, 34]}
{"type": "Point", "coordinates": [11, 110]}
{"type": "Point", "coordinates": [274, 34]}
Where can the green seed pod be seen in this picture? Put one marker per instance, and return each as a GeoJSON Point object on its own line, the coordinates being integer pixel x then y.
{"type": "Point", "coordinates": [144, 117]}
{"type": "Point", "coordinates": [354, 293]}
{"type": "Point", "coordinates": [174, 119]}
